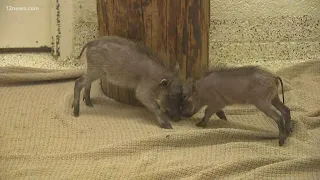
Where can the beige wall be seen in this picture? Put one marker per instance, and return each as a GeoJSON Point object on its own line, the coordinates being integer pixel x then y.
{"type": "Point", "coordinates": [78, 24]}
{"type": "Point", "coordinates": [25, 23]}
{"type": "Point", "coordinates": [85, 25]}
{"type": "Point", "coordinates": [271, 33]}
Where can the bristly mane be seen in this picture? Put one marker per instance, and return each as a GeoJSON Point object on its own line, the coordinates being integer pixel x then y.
{"type": "Point", "coordinates": [140, 47]}
{"type": "Point", "coordinates": [159, 58]}
{"type": "Point", "coordinates": [232, 70]}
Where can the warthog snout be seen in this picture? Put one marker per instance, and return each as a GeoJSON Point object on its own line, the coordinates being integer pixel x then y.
{"type": "Point", "coordinates": [174, 116]}
{"type": "Point", "coordinates": [171, 101]}
{"type": "Point", "coordinates": [187, 109]}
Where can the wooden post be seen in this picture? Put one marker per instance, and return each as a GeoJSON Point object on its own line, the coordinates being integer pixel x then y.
{"type": "Point", "coordinates": [178, 28]}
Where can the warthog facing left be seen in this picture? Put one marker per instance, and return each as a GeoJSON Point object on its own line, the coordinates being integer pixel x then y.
{"type": "Point", "coordinates": [244, 85]}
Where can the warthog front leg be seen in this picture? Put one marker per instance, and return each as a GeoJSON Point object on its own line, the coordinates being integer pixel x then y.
{"type": "Point", "coordinates": [221, 115]}
{"type": "Point", "coordinates": [207, 114]}
{"type": "Point", "coordinates": [147, 98]}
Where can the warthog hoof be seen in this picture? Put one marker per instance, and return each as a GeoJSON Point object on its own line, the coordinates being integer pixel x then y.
{"type": "Point", "coordinates": [166, 126]}
{"type": "Point", "coordinates": [76, 112]}
{"type": "Point", "coordinates": [89, 104]}
{"type": "Point", "coordinates": [201, 124]}
{"type": "Point", "coordinates": [281, 141]}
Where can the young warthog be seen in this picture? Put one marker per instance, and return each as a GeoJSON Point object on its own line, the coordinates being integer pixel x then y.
{"type": "Point", "coordinates": [244, 85]}
{"type": "Point", "coordinates": [133, 65]}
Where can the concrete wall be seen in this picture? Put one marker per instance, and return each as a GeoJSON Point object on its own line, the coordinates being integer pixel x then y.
{"type": "Point", "coordinates": [84, 28]}
{"type": "Point", "coordinates": [274, 34]}
{"type": "Point", "coordinates": [20, 21]}
{"type": "Point", "coordinates": [85, 25]}
{"type": "Point", "coordinates": [271, 33]}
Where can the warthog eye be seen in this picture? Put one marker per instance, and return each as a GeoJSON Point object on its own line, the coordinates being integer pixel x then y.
{"type": "Point", "coordinates": [184, 97]}
{"type": "Point", "coordinates": [169, 112]}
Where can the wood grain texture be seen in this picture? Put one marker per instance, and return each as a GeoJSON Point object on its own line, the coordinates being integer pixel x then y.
{"type": "Point", "coordinates": [177, 28]}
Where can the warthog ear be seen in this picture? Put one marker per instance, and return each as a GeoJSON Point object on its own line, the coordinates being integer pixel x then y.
{"type": "Point", "coordinates": [185, 92]}
{"type": "Point", "coordinates": [164, 82]}
{"type": "Point", "coordinates": [194, 88]}
{"type": "Point", "coordinates": [176, 69]}
{"type": "Point", "coordinates": [189, 80]}
{"type": "Point", "coordinates": [177, 66]}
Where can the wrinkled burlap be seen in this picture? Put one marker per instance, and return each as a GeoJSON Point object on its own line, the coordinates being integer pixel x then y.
{"type": "Point", "coordinates": [40, 139]}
